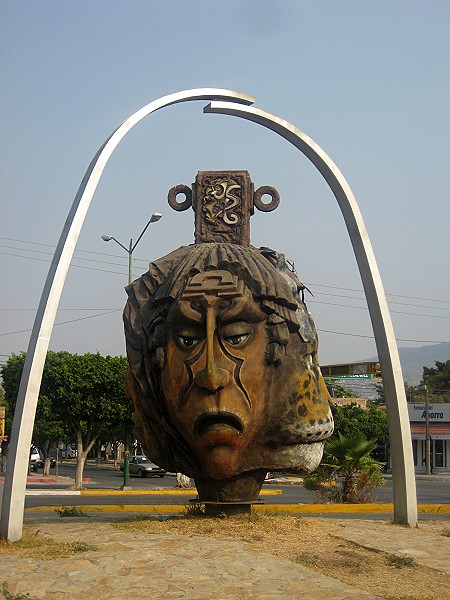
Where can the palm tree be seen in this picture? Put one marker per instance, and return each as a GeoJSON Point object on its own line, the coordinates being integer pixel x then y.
{"type": "Point", "coordinates": [349, 458]}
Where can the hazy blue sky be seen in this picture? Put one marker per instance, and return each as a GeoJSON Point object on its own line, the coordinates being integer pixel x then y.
{"type": "Point", "coordinates": [368, 81]}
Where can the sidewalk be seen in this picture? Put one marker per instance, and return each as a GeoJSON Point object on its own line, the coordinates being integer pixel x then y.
{"type": "Point", "coordinates": [135, 565]}
{"type": "Point", "coordinates": [129, 565]}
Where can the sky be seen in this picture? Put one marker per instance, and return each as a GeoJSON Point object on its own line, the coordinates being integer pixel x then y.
{"type": "Point", "coordinates": [367, 81]}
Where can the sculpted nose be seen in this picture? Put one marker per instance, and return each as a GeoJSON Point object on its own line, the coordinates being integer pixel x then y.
{"type": "Point", "coordinates": [212, 377]}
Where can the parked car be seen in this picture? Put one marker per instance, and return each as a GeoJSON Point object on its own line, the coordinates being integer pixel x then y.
{"type": "Point", "coordinates": [142, 467]}
{"type": "Point", "coordinates": [39, 464]}
{"type": "Point", "coordinates": [69, 452]}
{"type": "Point", "coordinates": [34, 457]}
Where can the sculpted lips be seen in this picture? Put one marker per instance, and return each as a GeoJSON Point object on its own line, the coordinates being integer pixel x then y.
{"type": "Point", "coordinates": [218, 421]}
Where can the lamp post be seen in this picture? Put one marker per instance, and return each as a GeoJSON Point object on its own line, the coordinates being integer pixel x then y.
{"type": "Point", "coordinates": [427, 433]}
{"type": "Point", "coordinates": [131, 247]}
{"type": "Point", "coordinates": [107, 238]}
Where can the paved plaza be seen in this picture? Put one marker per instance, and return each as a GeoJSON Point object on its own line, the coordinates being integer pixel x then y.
{"type": "Point", "coordinates": [138, 565]}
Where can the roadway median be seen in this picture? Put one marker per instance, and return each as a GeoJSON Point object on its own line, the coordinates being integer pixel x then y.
{"type": "Point", "coordinates": [292, 509]}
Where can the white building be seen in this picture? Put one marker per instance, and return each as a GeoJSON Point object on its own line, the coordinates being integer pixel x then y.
{"type": "Point", "coordinates": [439, 432]}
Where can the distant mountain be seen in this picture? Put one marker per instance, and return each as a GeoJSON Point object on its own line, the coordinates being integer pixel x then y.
{"type": "Point", "coordinates": [414, 359]}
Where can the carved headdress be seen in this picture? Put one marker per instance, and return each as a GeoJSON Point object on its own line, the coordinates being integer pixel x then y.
{"type": "Point", "coordinates": [288, 414]}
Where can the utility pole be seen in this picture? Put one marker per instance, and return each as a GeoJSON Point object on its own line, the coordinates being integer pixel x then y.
{"type": "Point", "coordinates": [427, 433]}
{"type": "Point", "coordinates": [107, 238]}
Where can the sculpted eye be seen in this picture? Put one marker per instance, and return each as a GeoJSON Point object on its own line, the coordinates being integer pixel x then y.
{"type": "Point", "coordinates": [187, 342]}
{"type": "Point", "coordinates": [237, 340]}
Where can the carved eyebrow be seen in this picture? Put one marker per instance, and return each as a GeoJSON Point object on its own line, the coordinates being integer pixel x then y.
{"type": "Point", "coordinates": [190, 330]}
{"type": "Point", "coordinates": [234, 328]}
{"type": "Point", "coordinates": [242, 310]}
{"type": "Point", "coordinates": [187, 312]}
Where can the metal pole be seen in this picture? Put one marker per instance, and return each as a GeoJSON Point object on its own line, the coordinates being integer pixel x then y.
{"type": "Point", "coordinates": [427, 433]}
{"type": "Point", "coordinates": [107, 238]}
{"type": "Point", "coordinates": [130, 266]}
{"type": "Point", "coordinates": [126, 456]}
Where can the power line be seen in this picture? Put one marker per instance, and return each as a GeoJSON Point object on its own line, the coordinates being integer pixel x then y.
{"type": "Point", "coordinates": [65, 322]}
{"type": "Point", "coordinates": [373, 337]}
{"type": "Point", "coordinates": [318, 330]}
{"type": "Point", "coordinates": [146, 261]}
{"type": "Point", "coordinates": [390, 302]}
{"type": "Point", "coordinates": [72, 265]}
{"type": "Point", "coordinates": [398, 312]}
{"type": "Point", "coordinates": [310, 284]}
{"type": "Point", "coordinates": [334, 287]}
{"type": "Point", "coordinates": [59, 309]}
{"type": "Point", "coordinates": [310, 301]}
{"type": "Point", "coordinates": [104, 262]}
{"type": "Point", "coordinates": [109, 254]}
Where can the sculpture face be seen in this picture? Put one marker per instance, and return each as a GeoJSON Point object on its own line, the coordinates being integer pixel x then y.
{"type": "Point", "coordinates": [224, 372]}
{"type": "Point", "coordinates": [213, 378]}
{"type": "Point", "coordinates": [222, 351]}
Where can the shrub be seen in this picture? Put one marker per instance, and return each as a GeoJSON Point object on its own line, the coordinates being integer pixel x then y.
{"type": "Point", "coordinates": [350, 474]}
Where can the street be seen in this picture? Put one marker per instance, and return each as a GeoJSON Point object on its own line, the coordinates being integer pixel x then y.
{"type": "Point", "coordinates": [432, 490]}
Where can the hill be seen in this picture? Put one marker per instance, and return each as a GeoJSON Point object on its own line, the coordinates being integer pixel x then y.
{"type": "Point", "coordinates": [414, 359]}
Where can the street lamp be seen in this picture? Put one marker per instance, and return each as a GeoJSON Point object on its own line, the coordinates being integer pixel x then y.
{"type": "Point", "coordinates": [427, 433]}
{"type": "Point", "coordinates": [107, 238]}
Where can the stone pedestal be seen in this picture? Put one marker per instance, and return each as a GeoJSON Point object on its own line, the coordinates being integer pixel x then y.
{"type": "Point", "coordinates": [230, 496]}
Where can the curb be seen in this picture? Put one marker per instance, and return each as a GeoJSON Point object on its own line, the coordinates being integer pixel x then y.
{"type": "Point", "coordinates": [272, 508]}
{"type": "Point", "coordinates": [159, 492]}
{"type": "Point", "coordinates": [61, 480]}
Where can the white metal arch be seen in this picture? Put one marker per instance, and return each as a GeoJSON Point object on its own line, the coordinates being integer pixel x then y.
{"type": "Point", "coordinates": [22, 428]}
{"type": "Point", "coordinates": [405, 506]}
{"type": "Point", "coordinates": [404, 488]}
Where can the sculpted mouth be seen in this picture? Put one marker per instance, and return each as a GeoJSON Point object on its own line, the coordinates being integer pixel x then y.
{"type": "Point", "coordinates": [219, 420]}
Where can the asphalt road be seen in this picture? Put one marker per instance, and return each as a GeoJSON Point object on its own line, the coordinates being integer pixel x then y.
{"type": "Point", "coordinates": [432, 490]}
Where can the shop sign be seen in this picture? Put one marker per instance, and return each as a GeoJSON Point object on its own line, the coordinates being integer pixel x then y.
{"type": "Point", "coordinates": [437, 412]}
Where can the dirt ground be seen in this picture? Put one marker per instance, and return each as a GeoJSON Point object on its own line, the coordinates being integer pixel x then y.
{"type": "Point", "coordinates": [315, 543]}
{"type": "Point", "coordinates": [312, 542]}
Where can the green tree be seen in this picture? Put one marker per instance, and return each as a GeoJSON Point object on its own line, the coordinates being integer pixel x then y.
{"type": "Point", "coordinates": [380, 399]}
{"type": "Point", "coordinates": [348, 465]}
{"type": "Point", "coordinates": [337, 390]}
{"type": "Point", "coordinates": [81, 394]}
{"type": "Point", "coordinates": [48, 430]}
{"type": "Point", "coordinates": [4, 443]}
{"type": "Point", "coordinates": [437, 380]}
{"type": "Point", "coordinates": [351, 419]}
{"type": "Point", "coordinates": [11, 373]}
{"type": "Point", "coordinates": [90, 396]}
{"type": "Point", "coordinates": [350, 458]}
{"type": "Point", "coordinates": [48, 426]}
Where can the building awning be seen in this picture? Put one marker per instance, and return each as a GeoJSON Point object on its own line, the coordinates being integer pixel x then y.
{"type": "Point", "coordinates": [439, 431]}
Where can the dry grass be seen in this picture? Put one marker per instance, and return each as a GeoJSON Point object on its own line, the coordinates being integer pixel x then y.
{"type": "Point", "coordinates": [314, 543]}
{"type": "Point", "coordinates": [33, 545]}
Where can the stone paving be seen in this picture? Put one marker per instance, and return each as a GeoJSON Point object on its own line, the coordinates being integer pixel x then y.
{"type": "Point", "coordinates": [133, 565]}
{"type": "Point", "coordinates": [429, 547]}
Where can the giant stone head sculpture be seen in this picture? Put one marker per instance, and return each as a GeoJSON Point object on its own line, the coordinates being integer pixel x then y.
{"type": "Point", "coordinates": [223, 367]}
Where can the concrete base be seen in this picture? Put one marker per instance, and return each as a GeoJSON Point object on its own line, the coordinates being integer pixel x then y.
{"type": "Point", "coordinates": [220, 509]}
